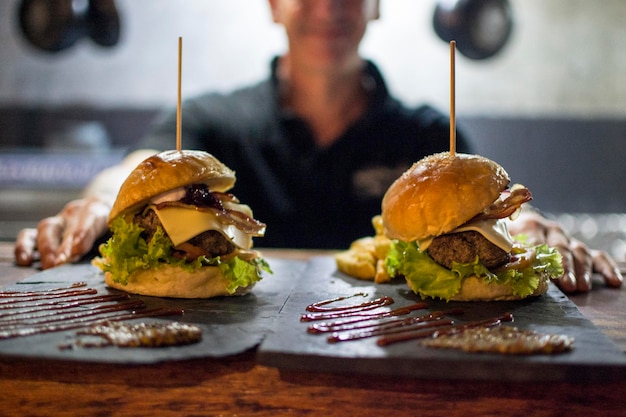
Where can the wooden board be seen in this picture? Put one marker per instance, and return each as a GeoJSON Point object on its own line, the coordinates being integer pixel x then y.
{"type": "Point", "coordinates": [230, 325]}
{"type": "Point", "coordinates": [290, 347]}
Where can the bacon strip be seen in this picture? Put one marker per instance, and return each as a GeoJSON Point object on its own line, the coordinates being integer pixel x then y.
{"type": "Point", "coordinates": [507, 205]}
{"type": "Point", "coordinates": [241, 221]}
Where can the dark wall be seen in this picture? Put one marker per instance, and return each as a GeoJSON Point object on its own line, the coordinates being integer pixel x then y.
{"type": "Point", "coordinates": [570, 165]}
{"type": "Point", "coordinates": [31, 127]}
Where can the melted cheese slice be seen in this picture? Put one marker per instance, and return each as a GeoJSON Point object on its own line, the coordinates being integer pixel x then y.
{"type": "Point", "coordinates": [494, 230]}
{"type": "Point", "coordinates": [182, 223]}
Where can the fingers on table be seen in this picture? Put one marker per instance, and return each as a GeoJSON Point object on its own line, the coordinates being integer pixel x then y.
{"type": "Point", "coordinates": [606, 266]}
{"type": "Point", "coordinates": [65, 237]}
{"type": "Point", "coordinates": [556, 237]}
{"type": "Point", "coordinates": [26, 247]}
{"type": "Point", "coordinates": [583, 265]}
{"type": "Point", "coordinates": [567, 282]}
{"type": "Point", "coordinates": [49, 235]}
{"type": "Point", "coordinates": [82, 229]}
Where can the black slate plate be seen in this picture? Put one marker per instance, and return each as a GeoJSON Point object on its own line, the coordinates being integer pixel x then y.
{"type": "Point", "coordinates": [230, 325]}
{"type": "Point", "coordinates": [290, 347]}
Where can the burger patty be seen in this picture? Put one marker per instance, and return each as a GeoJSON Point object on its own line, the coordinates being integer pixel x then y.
{"type": "Point", "coordinates": [464, 247]}
{"type": "Point", "coordinates": [148, 221]}
{"type": "Point", "coordinates": [211, 242]}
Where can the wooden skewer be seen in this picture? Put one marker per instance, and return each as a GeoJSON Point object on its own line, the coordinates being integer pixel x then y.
{"type": "Point", "coordinates": [178, 103]}
{"type": "Point", "coordinates": [452, 104]}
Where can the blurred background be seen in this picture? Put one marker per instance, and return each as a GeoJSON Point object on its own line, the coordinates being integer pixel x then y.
{"type": "Point", "coordinates": [550, 105]}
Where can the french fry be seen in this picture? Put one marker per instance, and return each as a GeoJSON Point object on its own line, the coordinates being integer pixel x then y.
{"type": "Point", "coordinates": [365, 259]}
{"type": "Point", "coordinates": [381, 272]}
{"type": "Point", "coordinates": [357, 264]}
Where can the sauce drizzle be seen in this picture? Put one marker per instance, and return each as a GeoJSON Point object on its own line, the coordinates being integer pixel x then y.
{"type": "Point", "coordinates": [371, 319]}
{"type": "Point", "coordinates": [356, 322]}
{"type": "Point", "coordinates": [363, 314]}
{"type": "Point", "coordinates": [402, 327]}
{"type": "Point", "coordinates": [450, 329]}
{"type": "Point", "coordinates": [320, 313]}
{"type": "Point", "coordinates": [35, 312]}
{"type": "Point", "coordinates": [317, 306]}
{"type": "Point", "coordinates": [365, 323]}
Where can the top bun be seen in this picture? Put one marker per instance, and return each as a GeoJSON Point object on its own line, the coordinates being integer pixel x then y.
{"type": "Point", "coordinates": [439, 193]}
{"type": "Point", "coordinates": [166, 171]}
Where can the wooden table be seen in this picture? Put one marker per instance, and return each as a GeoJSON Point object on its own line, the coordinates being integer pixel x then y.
{"type": "Point", "coordinates": [238, 386]}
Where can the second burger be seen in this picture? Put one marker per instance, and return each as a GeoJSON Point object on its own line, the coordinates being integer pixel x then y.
{"type": "Point", "coordinates": [446, 215]}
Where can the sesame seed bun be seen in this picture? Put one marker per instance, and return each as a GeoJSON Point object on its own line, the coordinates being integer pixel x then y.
{"type": "Point", "coordinates": [439, 193]}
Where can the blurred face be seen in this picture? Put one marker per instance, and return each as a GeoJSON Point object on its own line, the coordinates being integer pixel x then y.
{"type": "Point", "coordinates": [324, 32]}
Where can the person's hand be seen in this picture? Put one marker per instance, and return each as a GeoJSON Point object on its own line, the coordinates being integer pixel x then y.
{"type": "Point", "coordinates": [579, 261]}
{"type": "Point", "coordinates": [65, 237]}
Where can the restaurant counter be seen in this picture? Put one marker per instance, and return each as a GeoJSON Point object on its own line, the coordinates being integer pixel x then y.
{"type": "Point", "coordinates": [238, 385]}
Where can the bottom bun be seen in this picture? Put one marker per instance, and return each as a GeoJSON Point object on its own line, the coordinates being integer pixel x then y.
{"type": "Point", "coordinates": [477, 289]}
{"type": "Point", "coordinates": [172, 281]}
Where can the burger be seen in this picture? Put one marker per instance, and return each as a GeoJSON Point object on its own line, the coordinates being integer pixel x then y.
{"type": "Point", "coordinates": [176, 232]}
{"type": "Point", "coordinates": [446, 217]}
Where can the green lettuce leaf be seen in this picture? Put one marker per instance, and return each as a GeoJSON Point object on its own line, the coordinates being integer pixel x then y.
{"type": "Point", "coordinates": [126, 251]}
{"type": "Point", "coordinates": [429, 279]}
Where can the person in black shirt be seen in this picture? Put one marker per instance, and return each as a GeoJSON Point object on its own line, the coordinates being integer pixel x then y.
{"type": "Point", "coordinates": [314, 148]}
{"type": "Point", "coordinates": [310, 196]}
